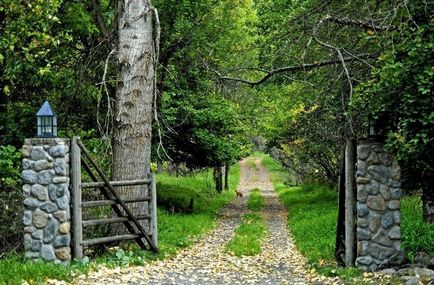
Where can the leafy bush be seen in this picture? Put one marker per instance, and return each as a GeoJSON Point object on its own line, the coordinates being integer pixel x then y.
{"type": "Point", "coordinates": [11, 198]}
{"type": "Point", "coordinates": [9, 169]}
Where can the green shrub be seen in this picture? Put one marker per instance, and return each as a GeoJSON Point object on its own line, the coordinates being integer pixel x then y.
{"type": "Point", "coordinates": [11, 199]}
{"type": "Point", "coordinates": [9, 166]}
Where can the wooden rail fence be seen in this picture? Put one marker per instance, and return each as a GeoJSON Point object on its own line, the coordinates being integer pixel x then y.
{"type": "Point", "coordinates": [119, 206]}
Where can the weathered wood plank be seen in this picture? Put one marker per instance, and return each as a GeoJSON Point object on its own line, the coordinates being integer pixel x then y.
{"type": "Point", "coordinates": [77, 232]}
{"type": "Point", "coordinates": [110, 239]}
{"type": "Point", "coordinates": [116, 183]}
{"type": "Point", "coordinates": [113, 192]}
{"type": "Point", "coordinates": [104, 221]}
{"type": "Point", "coordinates": [89, 204]}
{"type": "Point", "coordinates": [115, 207]}
{"type": "Point", "coordinates": [154, 222]}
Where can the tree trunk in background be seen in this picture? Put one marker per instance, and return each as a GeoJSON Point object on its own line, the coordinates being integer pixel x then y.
{"type": "Point", "coordinates": [428, 198]}
{"type": "Point", "coordinates": [131, 140]}
{"type": "Point", "coordinates": [349, 203]}
{"type": "Point", "coordinates": [218, 178]}
{"type": "Point", "coordinates": [227, 167]}
{"type": "Point", "coordinates": [340, 232]}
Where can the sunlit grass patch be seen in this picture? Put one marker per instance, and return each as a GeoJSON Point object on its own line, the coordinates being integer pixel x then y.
{"type": "Point", "coordinates": [255, 202]}
{"type": "Point", "coordinates": [248, 236]}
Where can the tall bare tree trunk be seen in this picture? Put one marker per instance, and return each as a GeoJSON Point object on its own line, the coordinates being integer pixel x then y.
{"type": "Point", "coordinates": [218, 175]}
{"type": "Point", "coordinates": [136, 54]}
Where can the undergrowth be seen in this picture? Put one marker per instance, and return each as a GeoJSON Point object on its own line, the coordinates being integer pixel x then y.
{"type": "Point", "coordinates": [176, 230]}
{"type": "Point", "coordinates": [312, 216]}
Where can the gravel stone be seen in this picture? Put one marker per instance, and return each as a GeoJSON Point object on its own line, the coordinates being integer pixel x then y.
{"type": "Point", "coordinates": [207, 262]}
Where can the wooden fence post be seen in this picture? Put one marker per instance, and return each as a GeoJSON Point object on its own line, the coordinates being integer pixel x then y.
{"type": "Point", "coordinates": [77, 231]}
{"type": "Point", "coordinates": [349, 203]}
{"type": "Point", "coordinates": [153, 208]}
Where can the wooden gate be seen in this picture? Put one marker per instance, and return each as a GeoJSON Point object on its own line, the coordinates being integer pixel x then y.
{"type": "Point", "coordinates": [119, 206]}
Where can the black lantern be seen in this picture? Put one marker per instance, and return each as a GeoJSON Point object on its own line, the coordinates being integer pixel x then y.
{"type": "Point", "coordinates": [372, 128]}
{"type": "Point", "coordinates": [46, 122]}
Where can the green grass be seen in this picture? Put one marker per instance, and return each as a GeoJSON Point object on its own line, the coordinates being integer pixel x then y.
{"type": "Point", "coordinates": [416, 235]}
{"type": "Point", "coordinates": [255, 202]}
{"type": "Point", "coordinates": [14, 269]}
{"type": "Point", "coordinates": [176, 231]}
{"type": "Point", "coordinates": [248, 236]}
{"type": "Point", "coordinates": [312, 214]}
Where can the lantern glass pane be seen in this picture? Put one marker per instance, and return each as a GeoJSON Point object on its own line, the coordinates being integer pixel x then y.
{"type": "Point", "coordinates": [54, 126]}
{"type": "Point", "coordinates": [38, 126]}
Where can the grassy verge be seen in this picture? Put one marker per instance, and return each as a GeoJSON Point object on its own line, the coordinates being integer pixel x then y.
{"type": "Point", "coordinates": [256, 202]}
{"type": "Point", "coordinates": [176, 231]}
{"type": "Point", "coordinates": [248, 236]}
{"type": "Point", "coordinates": [312, 214]}
{"type": "Point", "coordinates": [416, 235]}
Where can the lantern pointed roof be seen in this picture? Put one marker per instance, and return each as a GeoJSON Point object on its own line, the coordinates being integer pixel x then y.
{"type": "Point", "coordinates": [45, 110]}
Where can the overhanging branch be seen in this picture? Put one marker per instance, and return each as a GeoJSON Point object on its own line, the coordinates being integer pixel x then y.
{"type": "Point", "coordinates": [301, 67]}
{"type": "Point", "coordinates": [361, 24]}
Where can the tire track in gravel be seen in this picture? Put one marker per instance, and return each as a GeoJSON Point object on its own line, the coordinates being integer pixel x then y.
{"type": "Point", "coordinates": [206, 262]}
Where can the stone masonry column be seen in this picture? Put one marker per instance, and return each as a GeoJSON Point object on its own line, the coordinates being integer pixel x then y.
{"type": "Point", "coordinates": [378, 207]}
{"type": "Point", "coordinates": [47, 198]}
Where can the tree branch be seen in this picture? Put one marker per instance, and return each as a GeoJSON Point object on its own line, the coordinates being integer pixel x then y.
{"type": "Point", "coordinates": [301, 67]}
{"type": "Point", "coordinates": [99, 19]}
{"type": "Point", "coordinates": [361, 24]}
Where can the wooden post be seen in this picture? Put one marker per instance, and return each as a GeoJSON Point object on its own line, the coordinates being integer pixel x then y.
{"type": "Point", "coordinates": [349, 203]}
{"type": "Point", "coordinates": [153, 208]}
{"type": "Point", "coordinates": [77, 230]}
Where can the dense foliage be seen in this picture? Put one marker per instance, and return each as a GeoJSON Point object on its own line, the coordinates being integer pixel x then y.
{"type": "Point", "coordinates": [342, 63]}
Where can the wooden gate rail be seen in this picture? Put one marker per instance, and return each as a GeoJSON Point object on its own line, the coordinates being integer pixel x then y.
{"type": "Point", "coordinates": [119, 206]}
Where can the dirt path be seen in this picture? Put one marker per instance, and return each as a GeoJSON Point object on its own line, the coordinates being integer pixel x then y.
{"type": "Point", "coordinates": [206, 262]}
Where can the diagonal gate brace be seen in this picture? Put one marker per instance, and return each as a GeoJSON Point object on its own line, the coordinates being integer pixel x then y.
{"type": "Point", "coordinates": [117, 197]}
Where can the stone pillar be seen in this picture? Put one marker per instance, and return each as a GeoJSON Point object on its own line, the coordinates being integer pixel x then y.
{"type": "Point", "coordinates": [46, 199]}
{"type": "Point", "coordinates": [378, 207]}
